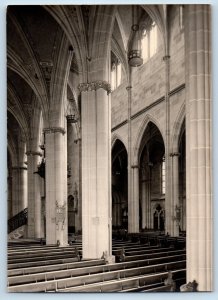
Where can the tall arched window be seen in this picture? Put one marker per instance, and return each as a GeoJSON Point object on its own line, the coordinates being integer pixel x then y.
{"type": "Point", "coordinates": [149, 41]}
{"type": "Point", "coordinates": [116, 72]}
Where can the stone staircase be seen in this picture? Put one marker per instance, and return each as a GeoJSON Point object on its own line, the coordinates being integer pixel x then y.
{"type": "Point", "coordinates": [18, 233]}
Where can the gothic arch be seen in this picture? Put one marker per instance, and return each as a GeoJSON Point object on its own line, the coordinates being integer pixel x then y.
{"type": "Point", "coordinates": [116, 137]}
{"type": "Point", "coordinates": [148, 118]}
{"type": "Point", "coordinates": [176, 132]}
{"type": "Point", "coordinates": [35, 64]}
{"type": "Point", "coordinates": [15, 109]}
{"type": "Point", "coordinates": [71, 21]}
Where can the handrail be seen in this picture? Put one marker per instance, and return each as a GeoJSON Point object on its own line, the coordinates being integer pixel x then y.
{"type": "Point", "coordinates": [18, 220]}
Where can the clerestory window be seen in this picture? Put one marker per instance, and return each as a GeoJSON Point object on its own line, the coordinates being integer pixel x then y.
{"type": "Point", "coordinates": [149, 41]}
{"type": "Point", "coordinates": [116, 71]}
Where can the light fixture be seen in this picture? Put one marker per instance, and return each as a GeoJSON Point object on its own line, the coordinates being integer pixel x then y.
{"type": "Point", "coordinates": [135, 52]}
{"type": "Point", "coordinates": [71, 117]}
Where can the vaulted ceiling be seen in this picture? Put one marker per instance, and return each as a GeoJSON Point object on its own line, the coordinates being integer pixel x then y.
{"type": "Point", "coordinates": [38, 38]}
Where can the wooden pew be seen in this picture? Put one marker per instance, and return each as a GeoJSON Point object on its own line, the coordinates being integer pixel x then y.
{"type": "Point", "coordinates": [55, 285]}
{"type": "Point", "coordinates": [124, 284]}
{"type": "Point", "coordinates": [42, 256]}
{"type": "Point", "coordinates": [42, 263]}
{"type": "Point", "coordinates": [153, 255]}
{"type": "Point", "coordinates": [87, 270]}
{"type": "Point", "coordinates": [49, 268]}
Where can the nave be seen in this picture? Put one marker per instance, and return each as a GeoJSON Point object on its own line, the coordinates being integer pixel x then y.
{"type": "Point", "coordinates": [144, 263]}
{"type": "Point", "coordinates": [109, 138]}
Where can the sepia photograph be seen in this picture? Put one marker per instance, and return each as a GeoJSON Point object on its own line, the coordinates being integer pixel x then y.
{"type": "Point", "coordinates": [109, 148]}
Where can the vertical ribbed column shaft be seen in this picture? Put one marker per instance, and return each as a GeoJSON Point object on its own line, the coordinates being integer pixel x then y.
{"type": "Point", "coordinates": [175, 194]}
{"type": "Point", "coordinates": [96, 174]}
{"type": "Point", "coordinates": [19, 189]}
{"type": "Point", "coordinates": [133, 210]}
{"type": "Point", "coordinates": [133, 191]}
{"type": "Point", "coordinates": [198, 146]}
{"type": "Point", "coordinates": [9, 185]}
{"type": "Point", "coordinates": [144, 203]}
{"type": "Point", "coordinates": [34, 197]}
{"type": "Point", "coordinates": [168, 193]}
{"type": "Point", "coordinates": [56, 186]}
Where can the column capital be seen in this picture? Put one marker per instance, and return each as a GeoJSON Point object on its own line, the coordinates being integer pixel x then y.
{"type": "Point", "coordinates": [95, 85]}
{"type": "Point", "coordinates": [174, 154]}
{"type": "Point", "coordinates": [135, 167]}
{"type": "Point", "coordinates": [166, 57]}
{"type": "Point", "coordinates": [33, 153]}
{"type": "Point", "coordinates": [129, 87]}
{"type": "Point", "coordinates": [19, 168]}
{"type": "Point", "coordinates": [54, 129]}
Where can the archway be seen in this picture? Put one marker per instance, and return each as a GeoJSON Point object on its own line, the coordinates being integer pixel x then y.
{"type": "Point", "coordinates": [152, 180]}
{"type": "Point", "coordinates": [119, 186]}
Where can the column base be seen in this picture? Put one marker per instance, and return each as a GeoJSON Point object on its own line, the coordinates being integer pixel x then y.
{"type": "Point", "coordinates": [111, 259]}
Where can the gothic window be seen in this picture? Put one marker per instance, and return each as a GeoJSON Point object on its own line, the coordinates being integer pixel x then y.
{"type": "Point", "coordinates": [116, 72]}
{"type": "Point", "coordinates": [149, 41]}
{"type": "Point", "coordinates": [181, 17]}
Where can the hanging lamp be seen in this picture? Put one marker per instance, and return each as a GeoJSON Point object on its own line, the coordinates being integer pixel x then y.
{"type": "Point", "coordinates": [71, 118]}
{"type": "Point", "coordinates": [135, 53]}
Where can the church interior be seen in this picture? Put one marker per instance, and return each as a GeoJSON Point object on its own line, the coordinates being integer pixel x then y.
{"type": "Point", "coordinates": [109, 153]}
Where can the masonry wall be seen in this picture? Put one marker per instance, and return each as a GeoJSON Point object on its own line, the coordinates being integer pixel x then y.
{"type": "Point", "coordinates": [148, 88]}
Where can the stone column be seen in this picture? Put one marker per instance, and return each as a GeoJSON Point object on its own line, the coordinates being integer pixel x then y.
{"type": "Point", "coordinates": [168, 192]}
{"type": "Point", "coordinates": [56, 186]}
{"type": "Point", "coordinates": [146, 204]}
{"type": "Point", "coordinates": [198, 146]}
{"type": "Point", "coordinates": [96, 170]}
{"type": "Point", "coordinates": [133, 192]}
{"type": "Point", "coordinates": [34, 196]}
{"type": "Point", "coordinates": [9, 190]}
{"type": "Point", "coordinates": [175, 205]}
{"type": "Point", "coordinates": [19, 189]}
{"type": "Point", "coordinates": [133, 205]}
{"type": "Point", "coordinates": [78, 215]}
{"type": "Point", "coordinates": [143, 203]}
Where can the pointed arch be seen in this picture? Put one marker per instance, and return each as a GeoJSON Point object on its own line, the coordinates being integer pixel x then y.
{"type": "Point", "coordinates": [70, 20]}
{"type": "Point", "coordinates": [16, 65]}
{"type": "Point", "coordinates": [34, 61]}
{"type": "Point", "coordinates": [138, 140]}
{"type": "Point", "coordinates": [15, 108]}
{"type": "Point", "coordinates": [117, 137]}
{"type": "Point", "coordinates": [59, 82]}
{"type": "Point", "coordinates": [177, 128]}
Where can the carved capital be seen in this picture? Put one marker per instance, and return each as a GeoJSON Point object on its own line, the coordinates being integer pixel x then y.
{"type": "Point", "coordinates": [128, 87]}
{"type": "Point", "coordinates": [166, 57]}
{"type": "Point", "coordinates": [174, 154]}
{"type": "Point", "coordinates": [135, 167]}
{"type": "Point", "coordinates": [54, 129]}
{"type": "Point", "coordinates": [95, 85]}
{"type": "Point", "coordinates": [19, 168]}
{"type": "Point", "coordinates": [33, 153]}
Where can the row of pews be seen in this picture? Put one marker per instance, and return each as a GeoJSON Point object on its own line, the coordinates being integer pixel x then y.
{"type": "Point", "coordinates": [139, 267]}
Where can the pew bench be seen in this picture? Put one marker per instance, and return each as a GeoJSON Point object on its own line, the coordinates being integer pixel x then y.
{"type": "Point", "coordinates": [125, 284]}
{"type": "Point", "coordinates": [49, 268]}
{"type": "Point", "coordinates": [55, 285]}
{"type": "Point", "coordinates": [87, 270]}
